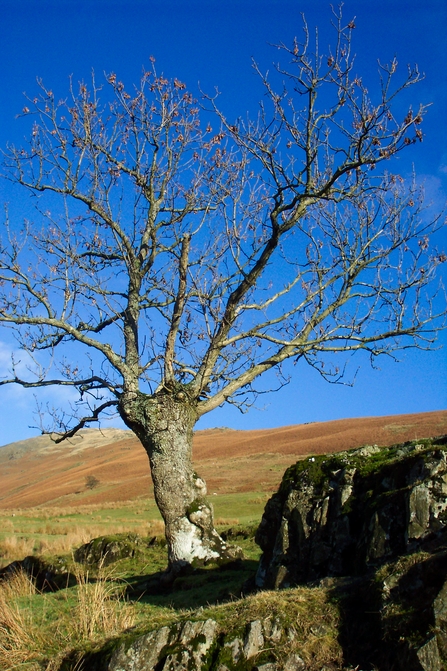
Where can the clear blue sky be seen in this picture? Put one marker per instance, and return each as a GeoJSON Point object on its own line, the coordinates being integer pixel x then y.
{"type": "Point", "coordinates": [213, 42]}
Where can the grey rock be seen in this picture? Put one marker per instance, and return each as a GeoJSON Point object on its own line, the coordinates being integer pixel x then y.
{"type": "Point", "coordinates": [168, 649]}
{"type": "Point", "coordinates": [254, 640]}
{"type": "Point", "coordinates": [440, 619]}
{"type": "Point", "coordinates": [143, 654]}
{"type": "Point", "coordinates": [193, 642]}
{"type": "Point", "coordinates": [440, 607]}
{"type": "Point", "coordinates": [428, 656]}
{"type": "Point", "coordinates": [367, 450]}
{"type": "Point", "coordinates": [419, 510]}
{"type": "Point", "coordinates": [343, 514]}
{"type": "Point", "coordinates": [294, 663]}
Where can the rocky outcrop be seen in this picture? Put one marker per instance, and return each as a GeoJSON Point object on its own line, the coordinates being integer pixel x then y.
{"type": "Point", "coordinates": [271, 639]}
{"type": "Point", "coordinates": [106, 550]}
{"type": "Point", "coordinates": [370, 525]}
{"type": "Point", "coordinates": [345, 514]}
{"type": "Point", "coordinates": [197, 646]}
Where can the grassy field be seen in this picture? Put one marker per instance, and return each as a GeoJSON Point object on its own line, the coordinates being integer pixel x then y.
{"type": "Point", "coordinates": [49, 531]}
{"type": "Point", "coordinates": [37, 629]}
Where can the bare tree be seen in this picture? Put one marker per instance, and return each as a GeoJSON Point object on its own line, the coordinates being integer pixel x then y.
{"type": "Point", "coordinates": [171, 264]}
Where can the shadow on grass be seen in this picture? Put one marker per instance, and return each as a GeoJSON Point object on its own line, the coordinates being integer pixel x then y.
{"type": "Point", "coordinates": [200, 587]}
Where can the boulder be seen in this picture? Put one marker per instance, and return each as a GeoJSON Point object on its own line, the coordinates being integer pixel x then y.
{"type": "Point", "coordinates": [370, 525]}
{"type": "Point", "coordinates": [106, 550]}
{"type": "Point", "coordinates": [345, 514]}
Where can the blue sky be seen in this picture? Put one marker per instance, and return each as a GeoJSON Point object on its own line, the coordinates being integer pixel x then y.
{"type": "Point", "coordinates": [212, 43]}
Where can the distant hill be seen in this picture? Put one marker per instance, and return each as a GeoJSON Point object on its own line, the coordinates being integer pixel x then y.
{"type": "Point", "coordinates": [37, 472]}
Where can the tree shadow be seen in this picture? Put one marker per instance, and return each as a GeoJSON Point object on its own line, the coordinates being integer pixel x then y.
{"type": "Point", "coordinates": [196, 588]}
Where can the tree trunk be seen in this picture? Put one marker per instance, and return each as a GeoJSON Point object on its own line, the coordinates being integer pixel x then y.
{"type": "Point", "coordinates": [164, 424]}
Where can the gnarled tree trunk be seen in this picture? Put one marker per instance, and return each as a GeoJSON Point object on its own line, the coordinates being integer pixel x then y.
{"type": "Point", "coordinates": [164, 424]}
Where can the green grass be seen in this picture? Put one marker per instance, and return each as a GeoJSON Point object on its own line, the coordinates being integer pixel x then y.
{"type": "Point", "coordinates": [245, 507]}
{"type": "Point", "coordinates": [49, 625]}
{"type": "Point", "coordinates": [47, 531]}
{"type": "Point", "coordinates": [127, 593]}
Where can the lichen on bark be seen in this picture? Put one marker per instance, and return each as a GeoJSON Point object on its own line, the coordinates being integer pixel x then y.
{"type": "Point", "coordinates": [164, 424]}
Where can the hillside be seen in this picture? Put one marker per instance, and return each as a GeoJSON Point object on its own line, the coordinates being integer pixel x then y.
{"type": "Point", "coordinates": [36, 472]}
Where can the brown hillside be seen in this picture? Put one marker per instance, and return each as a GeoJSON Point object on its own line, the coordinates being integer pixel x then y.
{"type": "Point", "coordinates": [36, 472]}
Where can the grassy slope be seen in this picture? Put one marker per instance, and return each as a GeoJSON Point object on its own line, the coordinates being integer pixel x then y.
{"type": "Point", "coordinates": [38, 473]}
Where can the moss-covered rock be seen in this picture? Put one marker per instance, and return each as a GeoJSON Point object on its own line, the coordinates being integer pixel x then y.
{"type": "Point", "coordinates": [106, 550]}
{"type": "Point", "coordinates": [344, 514]}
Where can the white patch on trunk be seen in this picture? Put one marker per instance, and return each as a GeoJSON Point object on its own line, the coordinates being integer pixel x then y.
{"type": "Point", "coordinates": [186, 545]}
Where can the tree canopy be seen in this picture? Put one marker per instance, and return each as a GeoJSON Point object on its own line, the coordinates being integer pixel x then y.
{"type": "Point", "coordinates": [178, 247]}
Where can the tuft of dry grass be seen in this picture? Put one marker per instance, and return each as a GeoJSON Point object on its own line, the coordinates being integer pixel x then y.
{"type": "Point", "coordinates": [16, 547]}
{"type": "Point", "coordinates": [100, 610]}
{"type": "Point", "coordinates": [20, 636]}
{"type": "Point", "coordinates": [18, 584]}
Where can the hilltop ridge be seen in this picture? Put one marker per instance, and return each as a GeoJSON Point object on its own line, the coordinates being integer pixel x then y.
{"type": "Point", "coordinates": [38, 472]}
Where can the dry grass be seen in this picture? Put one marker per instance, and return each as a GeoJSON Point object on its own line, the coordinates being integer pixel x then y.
{"type": "Point", "coordinates": [16, 547]}
{"type": "Point", "coordinates": [59, 531]}
{"type": "Point", "coordinates": [7, 525]}
{"type": "Point", "coordinates": [20, 636]}
{"type": "Point", "coordinates": [17, 585]}
{"type": "Point", "coordinates": [226, 521]}
{"type": "Point", "coordinates": [51, 512]}
{"type": "Point", "coordinates": [100, 610]}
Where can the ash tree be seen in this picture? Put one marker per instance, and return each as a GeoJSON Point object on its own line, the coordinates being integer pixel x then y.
{"type": "Point", "coordinates": [176, 256]}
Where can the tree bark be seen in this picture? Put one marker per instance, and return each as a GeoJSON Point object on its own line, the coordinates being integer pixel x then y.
{"type": "Point", "coordinates": [164, 424]}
